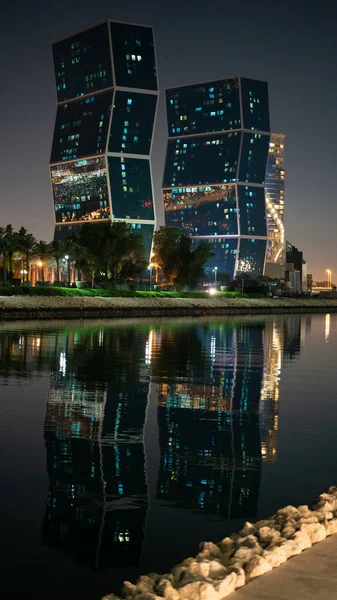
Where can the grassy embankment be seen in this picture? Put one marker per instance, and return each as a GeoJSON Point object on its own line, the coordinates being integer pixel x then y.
{"type": "Point", "coordinates": [74, 292]}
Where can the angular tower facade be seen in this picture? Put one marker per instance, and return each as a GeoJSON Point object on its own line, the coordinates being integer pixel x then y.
{"type": "Point", "coordinates": [275, 200]}
{"type": "Point", "coordinates": [214, 180]}
{"type": "Point", "coordinates": [107, 94]}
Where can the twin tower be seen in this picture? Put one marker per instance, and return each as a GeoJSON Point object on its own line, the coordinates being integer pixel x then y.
{"type": "Point", "coordinates": [224, 178]}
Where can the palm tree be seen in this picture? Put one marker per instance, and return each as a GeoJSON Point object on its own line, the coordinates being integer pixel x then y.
{"type": "Point", "coordinates": [78, 256]}
{"type": "Point", "coordinates": [2, 252]}
{"type": "Point", "coordinates": [58, 251]}
{"type": "Point", "coordinates": [7, 248]}
{"type": "Point", "coordinates": [42, 250]}
{"type": "Point", "coordinates": [26, 243]}
{"type": "Point", "coordinates": [11, 238]}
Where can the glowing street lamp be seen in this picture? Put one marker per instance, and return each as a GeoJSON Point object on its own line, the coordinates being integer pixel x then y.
{"type": "Point", "coordinates": [24, 273]}
{"type": "Point", "coordinates": [329, 277]}
{"type": "Point", "coordinates": [67, 260]}
{"type": "Point", "coordinates": [150, 267]}
{"type": "Point", "coordinates": [215, 273]}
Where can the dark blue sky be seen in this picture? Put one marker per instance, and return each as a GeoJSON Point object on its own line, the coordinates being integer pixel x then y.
{"type": "Point", "coordinates": [291, 44]}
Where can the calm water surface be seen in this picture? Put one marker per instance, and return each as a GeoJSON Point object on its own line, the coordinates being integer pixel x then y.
{"type": "Point", "coordinates": [125, 444]}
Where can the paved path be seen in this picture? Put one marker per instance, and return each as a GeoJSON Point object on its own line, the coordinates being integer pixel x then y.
{"type": "Point", "coordinates": [311, 575]}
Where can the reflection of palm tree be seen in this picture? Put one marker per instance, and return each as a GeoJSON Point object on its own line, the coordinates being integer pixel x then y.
{"type": "Point", "coordinates": [24, 353]}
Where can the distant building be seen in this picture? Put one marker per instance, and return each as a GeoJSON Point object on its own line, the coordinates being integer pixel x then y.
{"type": "Point", "coordinates": [275, 257]}
{"type": "Point", "coordinates": [107, 98]}
{"type": "Point", "coordinates": [214, 179]}
{"type": "Point", "coordinates": [296, 270]}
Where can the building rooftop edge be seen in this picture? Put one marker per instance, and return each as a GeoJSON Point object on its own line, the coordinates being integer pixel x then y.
{"type": "Point", "coordinates": [66, 37]}
{"type": "Point", "coordinates": [203, 82]}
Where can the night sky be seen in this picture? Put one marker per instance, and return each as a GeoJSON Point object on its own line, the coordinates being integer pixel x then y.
{"type": "Point", "coordinates": [291, 44]}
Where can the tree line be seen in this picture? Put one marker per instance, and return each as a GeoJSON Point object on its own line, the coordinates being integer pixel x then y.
{"type": "Point", "coordinates": [105, 251]}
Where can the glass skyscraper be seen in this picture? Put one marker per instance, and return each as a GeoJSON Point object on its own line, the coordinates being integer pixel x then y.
{"type": "Point", "coordinates": [107, 94]}
{"type": "Point", "coordinates": [275, 200]}
{"type": "Point", "coordinates": [214, 180]}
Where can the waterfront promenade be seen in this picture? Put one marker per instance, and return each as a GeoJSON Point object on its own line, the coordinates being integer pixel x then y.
{"type": "Point", "coordinates": [311, 575]}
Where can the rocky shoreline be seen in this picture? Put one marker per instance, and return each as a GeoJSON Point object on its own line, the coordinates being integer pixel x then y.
{"type": "Point", "coordinates": [219, 569]}
{"type": "Point", "coordinates": [38, 308]}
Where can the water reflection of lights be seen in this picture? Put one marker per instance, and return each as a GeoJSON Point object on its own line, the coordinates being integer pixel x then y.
{"type": "Point", "coordinates": [148, 348]}
{"type": "Point", "coordinates": [63, 363]}
{"type": "Point", "coordinates": [212, 352]}
{"type": "Point", "coordinates": [36, 344]}
{"type": "Point", "coordinates": [327, 328]}
{"type": "Point", "coordinates": [270, 391]}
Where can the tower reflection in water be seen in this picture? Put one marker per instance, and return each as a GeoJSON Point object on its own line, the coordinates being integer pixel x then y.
{"type": "Point", "coordinates": [217, 408]}
{"type": "Point", "coordinates": [97, 497]}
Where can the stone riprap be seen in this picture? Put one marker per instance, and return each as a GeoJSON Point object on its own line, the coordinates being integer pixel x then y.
{"type": "Point", "coordinates": [219, 569]}
{"type": "Point", "coordinates": [56, 307]}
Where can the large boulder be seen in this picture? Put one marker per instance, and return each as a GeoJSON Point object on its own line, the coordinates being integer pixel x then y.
{"type": "Point", "coordinates": [212, 549]}
{"type": "Point", "coordinates": [288, 512]}
{"type": "Point", "coordinates": [265, 523]}
{"type": "Point", "coordinates": [226, 546]}
{"type": "Point", "coordinates": [309, 519]}
{"type": "Point", "coordinates": [128, 588]}
{"type": "Point", "coordinates": [304, 510]}
{"type": "Point", "coordinates": [331, 527]}
{"type": "Point", "coordinates": [268, 535]}
{"type": "Point", "coordinates": [198, 569]}
{"type": "Point", "coordinates": [240, 576]}
{"type": "Point", "coordinates": [247, 548]}
{"type": "Point", "coordinates": [216, 569]}
{"type": "Point", "coordinates": [198, 590]}
{"type": "Point", "coordinates": [326, 503]}
{"type": "Point", "coordinates": [144, 585]}
{"type": "Point", "coordinates": [248, 529]}
{"type": "Point", "coordinates": [274, 555]}
{"type": "Point", "coordinates": [291, 548]}
{"type": "Point", "coordinates": [302, 540]}
{"type": "Point", "coordinates": [165, 588]}
{"type": "Point", "coordinates": [290, 527]}
{"type": "Point", "coordinates": [179, 572]}
{"type": "Point", "coordinates": [226, 586]}
{"type": "Point", "coordinates": [257, 566]}
{"type": "Point", "coordinates": [316, 532]}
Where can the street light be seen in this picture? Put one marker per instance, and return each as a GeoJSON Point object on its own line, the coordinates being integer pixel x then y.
{"type": "Point", "coordinates": [329, 277]}
{"type": "Point", "coordinates": [40, 265]}
{"type": "Point", "coordinates": [150, 267]}
{"type": "Point", "coordinates": [67, 260]}
{"type": "Point", "coordinates": [215, 273]}
{"type": "Point", "coordinates": [23, 273]}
